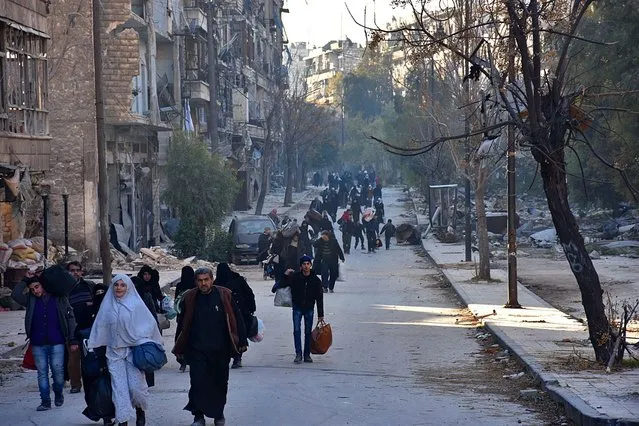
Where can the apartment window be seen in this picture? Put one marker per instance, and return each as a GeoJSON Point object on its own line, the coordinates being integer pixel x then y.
{"type": "Point", "coordinates": [196, 60]}
{"type": "Point", "coordinates": [23, 81]}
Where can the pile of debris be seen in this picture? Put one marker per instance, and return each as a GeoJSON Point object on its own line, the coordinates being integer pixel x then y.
{"type": "Point", "coordinates": [28, 253]}
{"type": "Point", "coordinates": [156, 257]}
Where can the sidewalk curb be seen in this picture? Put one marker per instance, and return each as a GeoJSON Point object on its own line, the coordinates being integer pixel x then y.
{"type": "Point", "coordinates": [576, 409]}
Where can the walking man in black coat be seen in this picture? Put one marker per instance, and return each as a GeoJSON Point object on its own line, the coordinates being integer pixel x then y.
{"type": "Point", "coordinates": [306, 291]}
{"type": "Point", "coordinates": [212, 330]}
{"type": "Point", "coordinates": [328, 253]}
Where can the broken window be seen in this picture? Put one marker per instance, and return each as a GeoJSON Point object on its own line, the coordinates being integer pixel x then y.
{"type": "Point", "coordinates": [23, 82]}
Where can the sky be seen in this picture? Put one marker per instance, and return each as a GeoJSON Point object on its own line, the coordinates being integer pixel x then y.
{"type": "Point", "coordinates": [319, 21]}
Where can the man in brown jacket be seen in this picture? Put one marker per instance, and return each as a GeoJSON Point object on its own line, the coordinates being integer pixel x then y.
{"type": "Point", "coordinates": [212, 332]}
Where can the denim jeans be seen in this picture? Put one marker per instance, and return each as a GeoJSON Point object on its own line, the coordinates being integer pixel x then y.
{"type": "Point", "coordinates": [46, 356]}
{"type": "Point", "coordinates": [297, 329]}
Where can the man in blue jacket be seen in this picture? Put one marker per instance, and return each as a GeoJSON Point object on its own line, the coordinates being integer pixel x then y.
{"type": "Point", "coordinates": [306, 291]}
{"type": "Point", "coordinates": [50, 325]}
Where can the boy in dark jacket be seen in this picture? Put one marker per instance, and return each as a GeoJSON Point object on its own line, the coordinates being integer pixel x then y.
{"type": "Point", "coordinates": [50, 325]}
{"type": "Point", "coordinates": [306, 291]}
{"type": "Point", "coordinates": [389, 231]}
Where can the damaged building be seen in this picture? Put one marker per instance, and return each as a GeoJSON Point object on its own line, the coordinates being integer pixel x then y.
{"type": "Point", "coordinates": [250, 74]}
{"type": "Point", "coordinates": [155, 79]}
{"type": "Point", "coordinates": [25, 140]}
{"type": "Point", "coordinates": [140, 81]}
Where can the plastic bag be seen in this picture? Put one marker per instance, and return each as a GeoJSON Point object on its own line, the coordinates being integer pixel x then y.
{"type": "Point", "coordinates": [28, 361]}
{"type": "Point", "coordinates": [251, 326]}
{"type": "Point", "coordinates": [168, 307]}
{"type": "Point", "coordinates": [341, 276]}
{"type": "Point", "coordinates": [99, 401]}
{"type": "Point", "coordinates": [163, 322]}
{"type": "Point", "coordinates": [167, 303]}
{"type": "Point", "coordinates": [91, 363]}
{"type": "Point", "coordinates": [260, 332]}
{"type": "Point", "coordinates": [283, 297]}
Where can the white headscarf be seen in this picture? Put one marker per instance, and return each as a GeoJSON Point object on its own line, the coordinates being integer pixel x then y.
{"type": "Point", "coordinates": [123, 322]}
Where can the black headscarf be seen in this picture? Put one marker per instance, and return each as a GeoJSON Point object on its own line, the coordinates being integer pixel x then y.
{"type": "Point", "coordinates": [143, 269]}
{"type": "Point", "coordinates": [223, 274]}
{"type": "Point", "coordinates": [187, 281]}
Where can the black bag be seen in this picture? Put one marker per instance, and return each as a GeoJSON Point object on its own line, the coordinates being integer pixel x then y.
{"type": "Point", "coordinates": [92, 364]}
{"type": "Point", "coordinates": [57, 281]}
{"type": "Point", "coordinates": [149, 357]}
{"type": "Point", "coordinates": [99, 400]}
{"type": "Point", "coordinates": [251, 327]}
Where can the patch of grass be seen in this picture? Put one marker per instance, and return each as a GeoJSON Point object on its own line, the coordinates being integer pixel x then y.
{"type": "Point", "coordinates": [490, 281]}
{"type": "Point", "coordinates": [630, 363]}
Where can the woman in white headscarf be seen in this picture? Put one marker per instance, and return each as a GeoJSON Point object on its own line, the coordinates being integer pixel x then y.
{"type": "Point", "coordinates": [123, 322]}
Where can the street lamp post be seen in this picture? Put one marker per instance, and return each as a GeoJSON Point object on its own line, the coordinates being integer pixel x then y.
{"type": "Point", "coordinates": [65, 201]}
{"type": "Point", "coordinates": [512, 236]}
{"type": "Point", "coordinates": [45, 224]}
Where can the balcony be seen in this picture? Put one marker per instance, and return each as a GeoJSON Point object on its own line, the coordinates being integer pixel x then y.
{"type": "Point", "coordinates": [256, 132]}
{"type": "Point", "coordinates": [196, 19]}
{"type": "Point", "coordinates": [196, 90]}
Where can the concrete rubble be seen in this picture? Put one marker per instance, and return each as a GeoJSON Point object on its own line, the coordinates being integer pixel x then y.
{"type": "Point", "coordinates": [156, 257]}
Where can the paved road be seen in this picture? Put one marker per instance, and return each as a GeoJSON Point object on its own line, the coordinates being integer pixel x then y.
{"type": "Point", "coordinates": [398, 358]}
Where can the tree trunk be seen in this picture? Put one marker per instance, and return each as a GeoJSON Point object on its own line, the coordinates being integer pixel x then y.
{"type": "Point", "coordinates": [301, 176]}
{"type": "Point", "coordinates": [556, 189]}
{"type": "Point", "coordinates": [482, 227]}
{"type": "Point", "coordinates": [266, 169]}
{"type": "Point", "coordinates": [290, 176]}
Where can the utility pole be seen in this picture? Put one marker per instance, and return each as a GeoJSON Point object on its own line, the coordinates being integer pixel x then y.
{"type": "Point", "coordinates": [512, 202]}
{"type": "Point", "coordinates": [103, 200]}
{"type": "Point", "coordinates": [154, 105]}
{"type": "Point", "coordinates": [212, 50]}
{"type": "Point", "coordinates": [468, 228]}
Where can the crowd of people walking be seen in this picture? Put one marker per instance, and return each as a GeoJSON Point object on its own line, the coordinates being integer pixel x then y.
{"type": "Point", "coordinates": [92, 334]}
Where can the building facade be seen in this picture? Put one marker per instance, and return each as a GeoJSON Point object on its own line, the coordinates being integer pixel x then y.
{"type": "Point", "coordinates": [324, 64]}
{"type": "Point", "coordinates": [251, 76]}
{"type": "Point", "coordinates": [25, 139]}
{"type": "Point", "coordinates": [155, 63]}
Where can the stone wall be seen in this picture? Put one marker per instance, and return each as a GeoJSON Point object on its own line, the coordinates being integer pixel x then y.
{"type": "Point", "coordinates": [121, 60]}
{"type": "Point", "coordinates": [72, 121]}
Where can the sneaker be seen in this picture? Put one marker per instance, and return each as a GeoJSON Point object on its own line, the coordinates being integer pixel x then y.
{"type": "Point", "coordinates": [298, 359]}
{"type": "Point", "coordinates": [59, 400]}
{"type": "Point", "coordinates": [182, 368]}
{"type": "Point", "coordinates": [237, 363]}
{"type": "Point", "coordinates": [75, 390]}
{"type": "Point", "coordinates": [44, 406]}
{"type": "Point", "coordinates": [219, 422]}
{"type": "Point", "coordinates": [325, 290]}
{"type": "Point", "coordinates": [331, 291]}
{"type": "Point", "coordinates": [307, 358]}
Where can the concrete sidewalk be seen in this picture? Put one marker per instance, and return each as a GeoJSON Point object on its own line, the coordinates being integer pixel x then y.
{"type": "Point", "coordinates": [549, 342]}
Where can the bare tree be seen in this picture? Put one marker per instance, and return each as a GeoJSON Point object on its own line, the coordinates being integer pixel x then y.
{"type": "Point", "coordinates": [303, 123]}
{"type": "Point", "coordinates": [539, 105]}
{"type": "Point", "coordinates": [272, 139]}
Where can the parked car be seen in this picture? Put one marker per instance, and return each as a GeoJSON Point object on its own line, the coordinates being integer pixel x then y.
{"type": "Point", "coordinates": [245, 231]}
